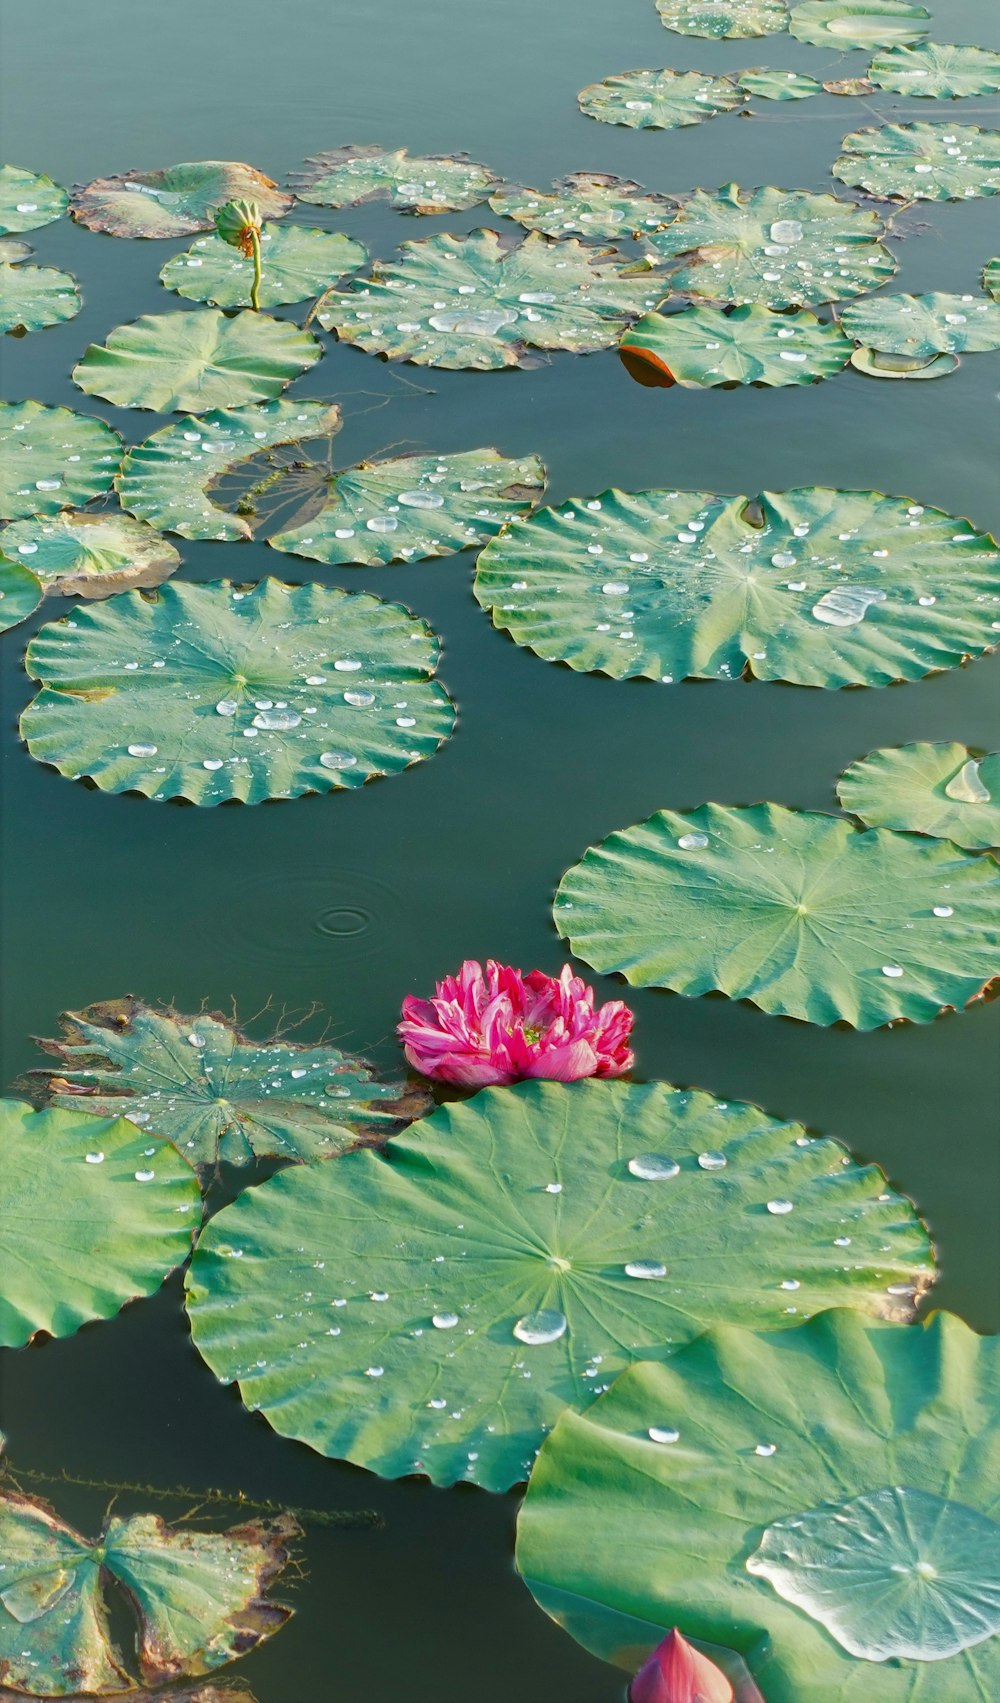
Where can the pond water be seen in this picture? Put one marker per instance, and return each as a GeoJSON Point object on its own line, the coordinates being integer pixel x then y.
{"type": "Point", "coordinates": [351, 901]}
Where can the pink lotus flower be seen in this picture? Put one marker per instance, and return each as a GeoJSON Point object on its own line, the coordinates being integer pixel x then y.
{"type": "Point", "coordinates": [499, 1026]}
{"type": "Point", "coordinates": [678, 1673]}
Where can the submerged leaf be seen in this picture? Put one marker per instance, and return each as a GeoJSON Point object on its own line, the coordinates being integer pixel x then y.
{"type": "Point", "coordinates": [703, 346]}
{"type": "Point", "coordinates": [20, 592]}
{"type": "Point", "coordinates": [35, 296]}
{"type": "Point", "coordinates": [921, 326]}
{"type": "Point", "coordinates": [297, 263]}
{"type": "Point", "coordinates": [936, 70]}
{"type": "Point", "coordinates": [175, 200]}
{"type": "Point", "coordinates": [505, 1257]}
{"type": "Point", "coordinates": [724, 19]}
{"type": "Point", "coordinates": [857, 23]}
{"type": "Point", "coordinates": [658, 100]}
{"type": "Point", "coordinates": [82, 554]}
{"type": "Point", "coordinates": [428, 183]}
{"type": "Point", "coordinates": [190, 362]}
{"type": "Point", "coordinates": [590, 204]}
{"type": "Point", "coordinates": [762, 83]}
{"type": "Point", "coordinates": [922, 162]}
{"type": "Point", "coordinates": [28, 199]}
{"type": "Point", "coordinates": [51, 458]}
{"type": "Point", "coordinates": [928, 789]}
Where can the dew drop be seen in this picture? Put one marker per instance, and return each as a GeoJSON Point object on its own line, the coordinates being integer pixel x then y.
{"type": "Point", "coordinates": [336, 760]}
{"type": "Point", "coordinates": [141, 750]}
{"type": "Point", "coordinates": [444, 1321]}
{"type": "Point", "coordinates": [692, 842]}
{"type": "Point", "coordinates": [94, 1158]}
{"type": "Point", "coordinates": [712, 1161]}
{"type": "Point", "coordinates": [780, 1207]}
{"type": "Point", "coordinates": [653, 1167]}
{"type": "Point", "coordinates": [646, 1269]}
{"type": "Point", "coordinates": [547, 1325]}
{"type": "Point", "coordinates": [144, 1176]}
{"type": "Point", "coordinates": [663, 1434]}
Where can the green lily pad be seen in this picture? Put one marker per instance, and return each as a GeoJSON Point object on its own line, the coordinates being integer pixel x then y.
{"type": "Point", "coordinates": [35, 296]}
{"type": "Point", "coordinates": [799, 913]}
{"type": "Point", "coordinates": [200, 1597]}
{"type": "Point", "coordinates": [217, 1095]}
{"type": "Point", "coordinates": [51, 458]}
{"type": "Point", "coordinates": [590, 204]}
{"type": "Point", "coordinates": [704, 346]}
{"type": "Point", "coordinates": [922, 162]}
{"type": "Point", "coordinates": [723, 18]}
{"type": "Point", "coordinates": [858, 23]}
{"type": "Point", "coordinates": [414, 507]}
{"type": "Point", "coordinates": [479, 301]}
{"type": "Point", "coordinates": [769, 85]}
{"type": "Point", "coordinates": [190, 362]}
{"type": "Point", "coordinates": [921, 326]}
{"type": "Point", "coordinates": [860, 1431]}
{"type": "Point", "coordinates": [172, 479]}
{"type": "Point", "coordinates": [780, 248]}
{"type": "Point", "coordinates": [20, 593]}
{"type": "Point", "coordinates": [264, 692]}
{"type": "Point", "coordinates": [505, 1257]}
{"type": "Point", "coordinates": [814, 586]}
{"type": "Point", "coordinates": [937, 70]}
{"type": "Point", "coordinates": [659, 100]}
{"type": "Point", "coordinates": [297, 264]}
{"type": "Point", "coordinates": [93, 1213]}
{"type": "Point", "coordinates": [421, 183]}
{"type": "Point", "coordinates": [11, 250]}
{"type": "Point", "coordinates": [876, 365]}
{"type": "Point", "coordinates": [83, 554]}
{"type": "Point", "coordinates": [928, 789]}
{"type": "Point", "coordinates": [175, 200]}
{"type": "Point", "coordinates": [28, 199]}
{"type": "Point", "coordinates": [991, 279]}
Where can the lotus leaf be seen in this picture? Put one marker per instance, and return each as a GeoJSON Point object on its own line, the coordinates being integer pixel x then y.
{"type": "Point", "coordinates": [991, 279]}
{"type": "Point", "coordinates": [51, 458]}
{"type": "Point", "coordinates": [79, 554]}
{"type": "Point", "coordinates": [590, 204]}
{"type": "Point", "coordinates": [170, 479]}
{"type": "Point", "coordinates": [210, 692]}
{"type": "Point", "coordinates": [875, 365]}
{"type": "Point", "coordinates": [20, 592]}
{"type": "Point", "coordinates": [190, 362]}
{"type": "Point", "coordinates": [200, 1597]}
{"type": "Point", "coordinates": [928, 789]}
{"type": "Point", "coordinates": [922, 326]}
{"type": "Point", "coordinates": [799, 913]}
{"type": "Point", "coordinates": [28, 199]}
{"type": "Point", "coordinates": [922, 162]}
{"type": "Point", "coordinates": [936, 70]}
{"type": "Point", "coordinates": [654, 1507]}
{"type": "Point", "coordinates": [778, 247]}
{"type": "Point", "coordinates": [431, 183]}
{"type": "Point", "coordinates": [813, 586]}
{"type": "Point", "coordinates": [505, 1257]}
{"type": "Point", "coordinates": [217, 1095]}
{"type": "Point", "coordinates": [858, 23]}
{"type": "Point", "coordinates": [174, 201]}
{"type": "Point", "coordinates": [415, 506]}
{"type": "Point", "coordinates": [659, 100]}
{"type": "Point", "coordinates": [764, 84]}
{"type": "Point", "coordinates": [34, 296]}
{"type": "Point", "coordinates": [537, 294]}
{"type": "Point", "coordinates": [297, 264]}
{"type": "Point", "coordinates": [93, 1213]}
{"type": "Point", "coordinates": [724, 18]}
{"type": "Point", "coordinates": [704, 346]}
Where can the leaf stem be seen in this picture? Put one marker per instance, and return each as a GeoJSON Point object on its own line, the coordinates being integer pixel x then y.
{"type": "Point", "coordinates": [255, 286]}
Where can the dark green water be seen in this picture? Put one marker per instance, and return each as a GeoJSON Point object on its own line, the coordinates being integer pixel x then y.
{"type": "Point", "coordinates": [459, 856]}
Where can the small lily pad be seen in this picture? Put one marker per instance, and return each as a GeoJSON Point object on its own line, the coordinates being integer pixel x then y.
{"type": "Point", "coordinates": [590, 204]}
{"type": "Point", "coordinates": [421, 183]}
{"type": "Point", "coordinates": [83, 554]}
{"type": "Point", "coordinates": [858, 23]}
{"type": "Point", "coordinates": [937, 70]}
{"type": "Point", "coordinates": [217, 1095]}
{"type": "Point", "coordinates": [659, 100]}
{"type": "Point", "coordinates": [52, 458]}
{"type": "Point", "coordinates": [723, 19]}
{"type": "Point", "coordinates": [765, 84]}
{"type": "Point", "coordinates": [877, 365]}
{"type": "Point", "coordinates": [28, 199]}
{"type": "Point", "coordinates": [922, 162]}
{"type": "Point", "coordinates": [210, 692]}
{"type": "Point", "coordinates": [943, 790]}
{"type": "Point", "coordinates": [297, 264]}
{"type": "Point", "coordinates": [175, 200]}
{"type": "Point", "coordinates": [35, 296]}
{"type": "Point", "coordinates": [191, 362]}
{"type": "Point", "coordinates": [20, 592]}
{"type": "Point", "coordinates": [801, 914]}
{"type": "Point", "coordinates": [484, 302]}
{"type": "Point", "coordinates": [703, 346]}
{"type": "Point", "coordinates": [991, 279]}
{"type": "Point", "coordinates": [922, 326]}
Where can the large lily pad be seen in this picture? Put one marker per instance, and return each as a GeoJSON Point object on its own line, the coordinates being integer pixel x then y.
{"type": "Point", "coordinates": [51, 458]}
{"type": "Point", "coordinates": [780, 248]}
{"type": "Point", "coordinates": [297, 263]}
{"type": "Point", "coordinates": [505, 1257]}
{"type": "Point", "coordinates": [661, 1504]}
{"type": "Point", "coordinates": [936, 70]}
{"type": "Point", "coordinates": [858, 23]}
{"type": "Point", "coordinates": [921, 326]}
{"type": "Point", "coordinates": [172, 479]}
{"type": "Point", "coordinates": [797, 912]}
{"type": "Point", "coordinates": [28, 199]}
{"type": "Point", "coordinates": [210, 692]}
{"type": "Point", "coordinates": [928, 789]}
{"type": "Point", "coordinates": [763, 83]}
{"type": "Point", "coordinates": [814, 586]}
{"type": "Point", "coordinates": [703, 346]}
{"type": "Point", "coordinates": [34, 296]}
{"type": "Point", "coordinates": [415, 506]}
{"type": "Point", "coordinates": [659, 100]}
{"type": "Point", "coordinates": [922, 162]}
{"type": "Point", "coordinates": [200, 1597]}
{"type": "Point", "coordinates": [479, 301]}
{"type": "Point", "coordinates": [421, 183]}
{"type": "Point", "coordinates": [590, 204]}
{"type": "Point", "coordinates": [92, 1214]}
{"type": "Point", "coordinates": [724, 18]}
{"type": "Point", "coordinates": [190, 362]}
{"type": "Point", "coordinates": [175, 200]}
{"type": "Point", "coordinates": [83, 554]}
{"type": "Point", "coordinates": [20, 592]}
{"type": "Point", "coordinates": [217, 1095]}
